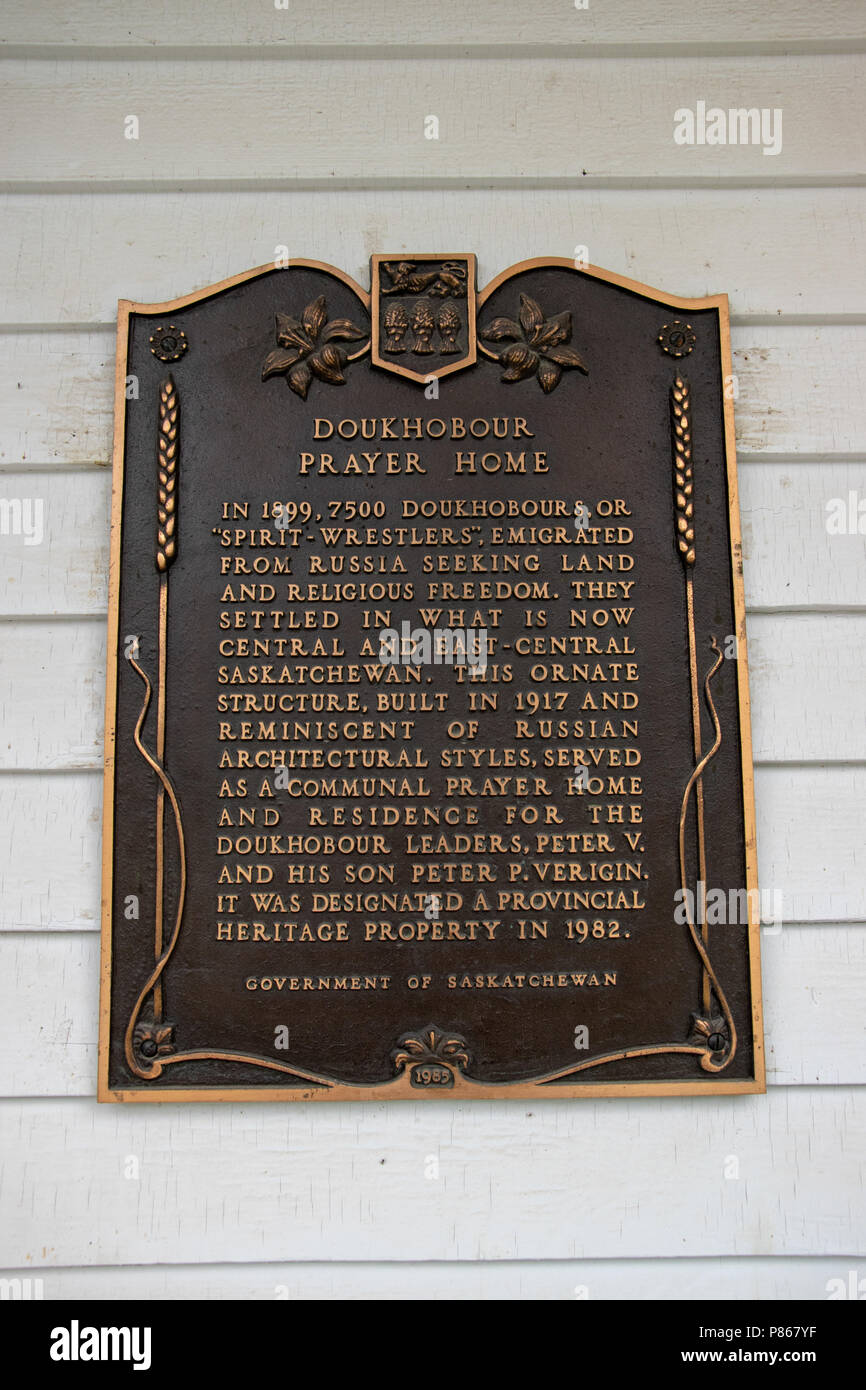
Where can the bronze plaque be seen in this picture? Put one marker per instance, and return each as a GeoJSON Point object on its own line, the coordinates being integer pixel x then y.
{"type": "Point", "coordinates": [428, 765]}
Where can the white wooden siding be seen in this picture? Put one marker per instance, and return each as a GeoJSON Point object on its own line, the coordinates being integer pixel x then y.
{"type": "Point", "coordinates": [697, 1279]}
{"type": "Point", "coordinates": [570, 122]}
{"type": "Point", "coordinates": [261, 128]}
{"type": "Point", "coordinates": [202, 25]}
{"type": "Point", "coordinates": [777, 256]}
{"type": "Point", "coordinates": [553, 1181]}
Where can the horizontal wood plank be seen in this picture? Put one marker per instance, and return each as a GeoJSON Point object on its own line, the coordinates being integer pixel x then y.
{"type": "Point", "coordinates": [514, 119]}
{"type": "Point", "coordinates": [801, 391]}
{"type": "Point", "coordinates": [807, 673]}
{"type": "Point", "coordinates": [51, 987]}
{"type": "Point", "coordinates": [810, 847]}
{"type": "Point", "coordinates": [809, 822]}
{"type": "Point", "coordinates": [697, 1280]}
{"type": "Point", "coordinates": [811, 666]}
{"type": "Point", "coordinates": [773, 256]}
{"type": "Point", "coordinates": [56, 398]}
{"type": "Point", "coordinates": [248, 1183]}
{"type": "Point", "coordinates": [791, 559]}
{"type": "Point", "coordinates": [814, 983]}
{"type": "Point", "coordinates": [52, 695]}
{"type": "Point", "coordinates": [55, 560]}
{"type": "Point", "coordinates": [814, 980]}
{"type": "Point", "coordinates": [401, 24]}
{"type": "Point", "coordinates": [51, 872]}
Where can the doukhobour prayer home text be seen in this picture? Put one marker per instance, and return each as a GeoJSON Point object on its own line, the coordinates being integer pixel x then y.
{"type": "Point", "coordinates": [428, 765]}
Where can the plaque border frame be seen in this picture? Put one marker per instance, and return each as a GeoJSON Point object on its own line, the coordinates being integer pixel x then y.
{"type": "Point", "coordinates": [400, 1087]}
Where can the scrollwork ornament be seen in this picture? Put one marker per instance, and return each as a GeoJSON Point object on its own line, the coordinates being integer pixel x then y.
{"type": "Point", "coordinates": [431, 1044]}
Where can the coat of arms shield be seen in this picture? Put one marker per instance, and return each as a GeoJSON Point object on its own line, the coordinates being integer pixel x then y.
{"type": "Point", "coordinates": [423, 315]}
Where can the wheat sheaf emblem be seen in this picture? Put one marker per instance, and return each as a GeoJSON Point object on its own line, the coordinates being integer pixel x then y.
{"type": "Point", "coordinates": [166, 509]}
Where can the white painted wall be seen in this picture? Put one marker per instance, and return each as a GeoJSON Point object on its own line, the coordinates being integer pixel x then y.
{"type": "Point", "coordinates": [261, 127]}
